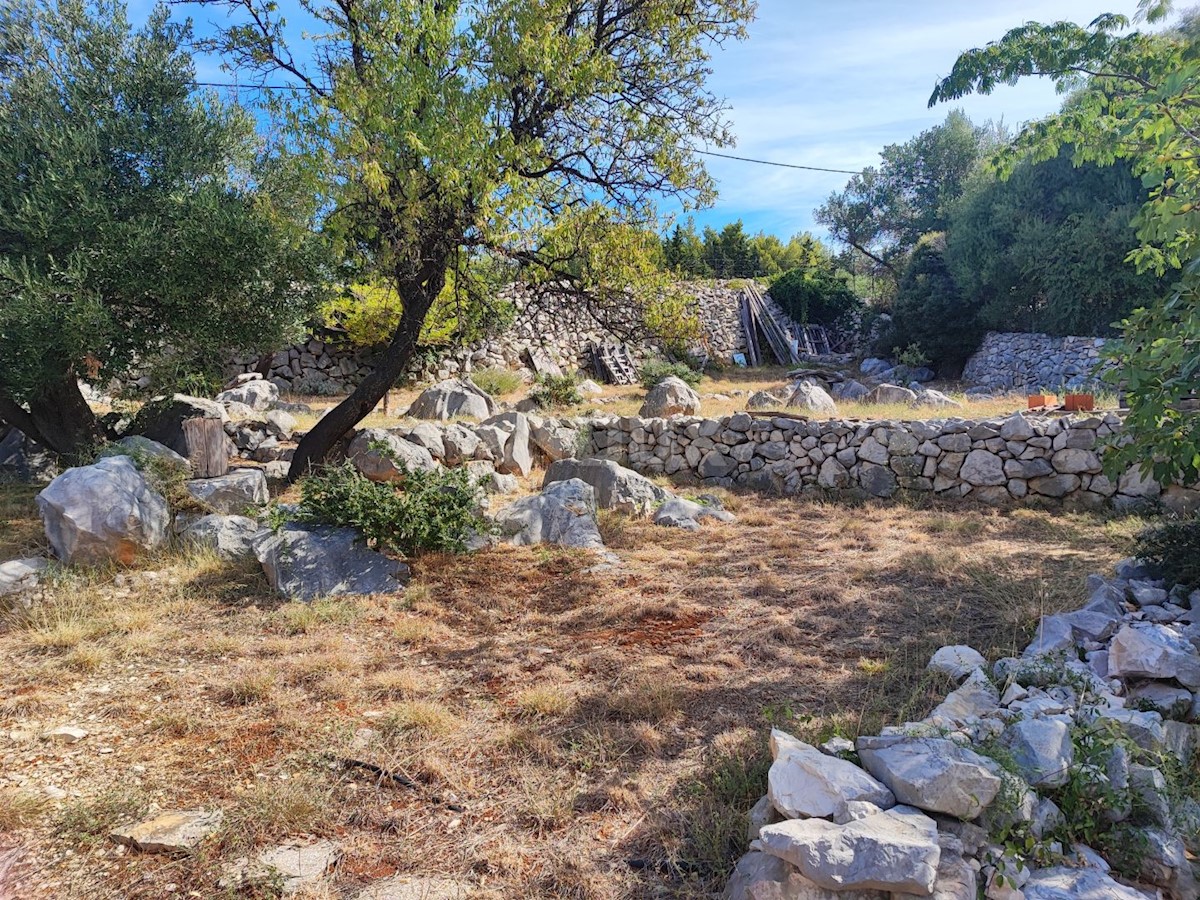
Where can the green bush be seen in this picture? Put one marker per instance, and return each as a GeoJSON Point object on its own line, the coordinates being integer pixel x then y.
{"type": "Point", "coordinates": [434, 512]}
{"type": "Point", "coordinates": [497, 382]}
{"type": "Point", "coordinates": [817, 296]}
{"type": "Point", "coordinates": [1174, 547]}
{"type": "Point", "coordinates": [657, 370]}
{"type": "Point", "coordinates": [556, 390]}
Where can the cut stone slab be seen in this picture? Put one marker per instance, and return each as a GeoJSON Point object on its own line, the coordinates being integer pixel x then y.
{"type": "Point", "coordinates": [616, 487]}
{"type": "Point", "coordinates": [20, 575]}
{"type": "Point", "coordinates": [1145, 650]}
{"type": "Point", "coordinates": [452, 399]}
{"type": "Point", "coordinates": [1041, 750]}
{"type": "Point", "coordinates": [232, 537]}
{"type": "Point", "coordinates": [105, 512]}
{"type": "Point", "coordinates": [401, 455]}
{"type": "Point", "coordinates": [563, 513]}
{"type": "Point", "coordinates": [304, 563]}
{"type": "Point", "coordinates": [670, 397]}
{"type": "Point", "coordinates": [680, 513]}
{"type": "Point", "coordinates": [231, 494]}
{"type": "Point", "coordinates": [932, 774]}
{"type": "Point", "coordinates": [803, 782]}
{"type": "Point", "coordinates": [956, 661]}
{"type": "Point", "coordinates": [294, 866]}
{"type": "Point", "coordinates": [175, 832]}
{"type": "Point", "coordinates": [416, 887]}
{"type": "Point", "coordinates": [895, 850]}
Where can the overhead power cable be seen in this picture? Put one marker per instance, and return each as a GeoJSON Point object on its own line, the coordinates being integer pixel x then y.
{"type": "Point", "coordinates": [746, 159]}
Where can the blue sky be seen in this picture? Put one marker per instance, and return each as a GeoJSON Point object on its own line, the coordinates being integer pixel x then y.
{"type": "Point", "coordinates": [829, 84]}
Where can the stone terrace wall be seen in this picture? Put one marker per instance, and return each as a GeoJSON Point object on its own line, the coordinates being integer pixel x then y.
{"type": "Point", "coordinates": [1019, 459]}
{"type": "Point", "coordinates": [1030, 361]}
{"type": "Point", "coordinates": [559, 330]}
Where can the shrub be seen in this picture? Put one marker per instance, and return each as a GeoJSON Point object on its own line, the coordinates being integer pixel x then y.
{"type": "Point", "coordinates": [911, 356]}
{"type": "Point", "coordinates": [497, 382]}
{"type": "Point", "coordinates": [816, 296]}
{"type": "Point", "coordinates": [1174, 547]}
{"type": "Point", "coordinates": [657, 370]}
{"type": "Point", "coordinates": [556, 390]}
{"type": "Point", "coordinates": [435, 511]}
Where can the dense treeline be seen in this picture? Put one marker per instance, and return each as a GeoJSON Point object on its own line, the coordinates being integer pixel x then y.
{"type": "Point", "coordinates": [731, 253]}
{"type": "Point", "coordinates": [960, 250]}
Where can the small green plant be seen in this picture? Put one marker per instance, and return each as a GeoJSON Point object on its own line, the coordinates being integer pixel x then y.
{"type": "Point", "coordinates": [167, 476]}
{"type": "Point", "coordinates": [1174, 547]}
{"type": "Point", "coordinates": [911, 356]}
{"type": "Point", "coordinates": [657, 370]}
{"type": "Point", "coordinates": [497, 382]}
{"type": "Point", "coordinates": [434, 512]}
{"type": "Point", "coordinates": [556, 390]}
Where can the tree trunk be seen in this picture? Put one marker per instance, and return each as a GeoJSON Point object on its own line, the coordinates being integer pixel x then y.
{"type": "Point", "coordinates": [58, 417]}
{"type": "Point", "coordinates": [315, 446]}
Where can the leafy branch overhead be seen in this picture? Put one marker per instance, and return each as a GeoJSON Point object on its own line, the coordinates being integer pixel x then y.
{"type": "Point", "coordinates": [1136, 98]}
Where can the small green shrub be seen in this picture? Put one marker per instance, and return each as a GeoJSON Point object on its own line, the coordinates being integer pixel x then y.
{"type": "Point", "coordinates": [1174, 547]}
{"type": "Point", "coordinates": [497, 382]}
{"type": "Point", "coordinates": [657, 370]}
{"type": "Point", "coordinates": [434, 512]}
{"type": "Point", "coordinates": [556, 390]}
{"type": "Point", "coordinates": [911, 356]}
{"type": "Point", "coordinates": [165, 475]}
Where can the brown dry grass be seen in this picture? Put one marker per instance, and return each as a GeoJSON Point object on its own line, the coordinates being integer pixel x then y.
{"type": "Point", "coordinates": [569, 733]}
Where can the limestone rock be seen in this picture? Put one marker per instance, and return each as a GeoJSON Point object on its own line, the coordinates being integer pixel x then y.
{"type": "Point", "coordinates": [232, 537]}
{"type": "Point", "coordinates": [555, 440]}
{"type": "Point", "coordinates": [680, 513]}
{"type": "Point", "coordinates": [1041, 750]}
{"type": "Point", "coordinates": [977, 697]}
{"type": "Point", "coordinates": [137, 445]}
{"type": "Point", "coordinates": [258, 395]}
{"type": "Point", "coordinates": [417, 887]}
{"type": "Point", "coordinates": [304, 563]}
{"type": "Point", "coordinates": [670, 397]}
{"type": "Point", "coordinates": [1061, 883]}
{"type": "Point", "coordinates": [563, 513]}
{"type": "Point", "coordinates": [452, 399]}
{"type": "Point", "coordinates": [759, 876]}
{"type": "Point", "coordinates": [956, 661]}
{"type": "Point", "coordinates": [933, 774]}
{"type": "Point", "coordinates": [763, 400]}
{"type": "Point", "coordinates": [812, 397]}
{"type": "Point", "coordinates": [982, 467]}
{"type": "Point", "coordinates": [894, 850]}
{"type": "Point", "coordinates": [234, 493]}
{"type": "Point", "coordinates": [293, 867]}
{"type": "Point", "coordinates": [935, 400]}
{"type": "Point", "coordinates": [174, 422]}
{"type": "Point", "coordinates": [105, 512]}
{"type": "Point", "coordinates": [891, 393]}
{"type": "Point", "coordinates": [616, 487]}
{"type": "Point", "coordinates": [1144, 650]}
{"type": "Point", "coordinates": [20, 575]}
{"type": "Point", "coordinates": [512, 455]}
{"type": "Point", "coordinates": [390, 466]}
{"type": "Point", "coordinates": [804, 782]}
{"type": "Point", "coordinates": [174, 832]}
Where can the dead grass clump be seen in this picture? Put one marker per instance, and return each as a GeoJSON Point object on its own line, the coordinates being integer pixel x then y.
{"type": "Point", "coordinates": [302, 618]}
{"type": "Point", "coordinates": [273, 809]}
{"type": "Point", "coordinates": [247, 688]}
{"type": "Point", "coordinates": [19, 809]}
{"type": "Point", "coordinates": [543, 700]}
{"type": "Point", "coordinates": [397, 684]}
{"type": "Point", "coordinates": [651, 698]}
{"type": "Point", "coordinates": [421, 717]}
{"type": "Point", "coordinates": [418, 631]}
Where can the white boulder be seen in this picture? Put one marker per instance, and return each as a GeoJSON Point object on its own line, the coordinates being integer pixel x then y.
{"type": "Point", "coordinates": [670, 397]}
{"type": "Point", "coordinates": [803, 782]}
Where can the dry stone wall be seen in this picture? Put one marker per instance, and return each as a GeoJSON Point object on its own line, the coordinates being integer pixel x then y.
{"type": "Point", "coordinates": [1020, 459]}
{"type": "Point", "coordinates": [557, 329]}
{"type": "Point", "coordinates": [1015, 361]}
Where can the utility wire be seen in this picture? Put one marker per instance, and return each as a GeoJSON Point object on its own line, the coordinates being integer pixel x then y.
{"type": "Point", "coordinates": [747, 159]}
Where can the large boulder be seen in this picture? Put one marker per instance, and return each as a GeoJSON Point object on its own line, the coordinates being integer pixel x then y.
{"type": "Point", "coordinates": [191, 426]}
{"type": "Point", "coordinates": [400, 455]}
{"type": "Point", "coordinates": [105, 512]}
{"type": "Point", "coordinates": [308, 562]}
{"type": "Point", "coordinates": [141, 447]}
{"type": "Point", "coordinates": [556, 440]}
{"type": "Point", "coordinates": [1145, 650]}
{"type": "Point", "coordinates": [932, 774]}
{"type": "Point", "coordinates": [686, 514]}
{"type": "Point", "coordinates": [759, 876]}
{"type": "Point", "coordinates": [1041, 750]}
{"type": "Point", "coordinates": [451, 399]}
{"type": "Point", "coordinates": [812, 397]}
{"type": "Point", "coordinates": [670, 397]}
{"type": "Point", "coordinates": [23, 459]}
{"type": "Point", "coordinates": [894, 850]}
{"type": "Point", "coordinates": [259, 395]}
{"type": "Point", "coordinates": [508, 436]}
{"type": "Point", "coordinates": [232, 537]}
{"type": "Point", "coordinates": [803, 782]}
{"type": "Point", "coordinates": [563, 513]}
{"type": "Point", "coordinates": [891, 393]}
{"type": "Point", "coordinates": [1062, 883]}
{"type": "Point", "coordinates": [956, 661]}
{"type": "Point", "coordinates": [231, 494]}
{"type": "Point", "coordinates": [616, 487]}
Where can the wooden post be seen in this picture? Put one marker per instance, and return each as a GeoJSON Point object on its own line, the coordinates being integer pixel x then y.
{"type": "Point", "coordinates": [208, 447]}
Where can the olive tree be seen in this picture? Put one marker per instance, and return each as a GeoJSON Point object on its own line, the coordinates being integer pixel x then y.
{"type": "Point", "coordinates": [136, 216]}
{"type": "Point", "coordinates": [537, 131]}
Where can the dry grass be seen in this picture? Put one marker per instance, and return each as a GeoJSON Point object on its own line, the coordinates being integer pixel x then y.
{"type": "Point", "coordinates": [564, 732]}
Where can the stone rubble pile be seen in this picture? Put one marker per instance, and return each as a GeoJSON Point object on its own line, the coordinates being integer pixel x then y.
{"type": "Point", "coordinates": [1030, 362]}
{"type": "Point", "coordinates": [1023, 458]}
{"type": "Point", "coordinates": [1095, 721]}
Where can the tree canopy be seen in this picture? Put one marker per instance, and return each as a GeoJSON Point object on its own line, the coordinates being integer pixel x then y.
{"type": "Point", "coordinates": [1139, 102]}
{"type": "Point", "coordinates": [135, 215]}
{"type": "Point", "coordinates": [538, 132]}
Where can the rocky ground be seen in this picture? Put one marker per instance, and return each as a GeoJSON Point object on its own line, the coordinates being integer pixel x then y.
{"type": "Point", "coordinates": [516, 723]}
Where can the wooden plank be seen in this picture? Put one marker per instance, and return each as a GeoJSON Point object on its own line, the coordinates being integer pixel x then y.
{"type": "Point", "coordinates": [208, 447]}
